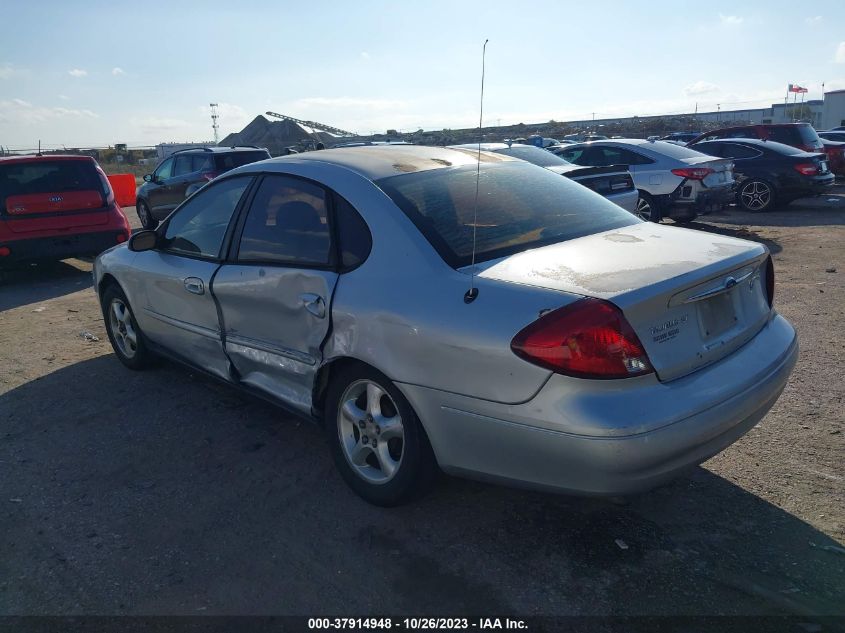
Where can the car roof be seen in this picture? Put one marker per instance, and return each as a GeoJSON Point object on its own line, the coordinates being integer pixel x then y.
{"type": "Point", "coordinates": [486, 147]}
{"type": "Point", "coordinates": [382, 161]}
{"type": "Point", "coordinates": [752, 142]}
{"type": "Point", "coordinates": [34, 158]}
{"type": "Point", "coordinates": [219, 150]}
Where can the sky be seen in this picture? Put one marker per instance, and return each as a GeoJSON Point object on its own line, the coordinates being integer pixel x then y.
{"type": "Point", "coordinates": [96, 73]}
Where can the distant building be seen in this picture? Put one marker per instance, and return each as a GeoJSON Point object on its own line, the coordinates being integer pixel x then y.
{"type": "Point", "coordinates": [833, 112]}
{"type": "Point", "coordinates": [163, 150]}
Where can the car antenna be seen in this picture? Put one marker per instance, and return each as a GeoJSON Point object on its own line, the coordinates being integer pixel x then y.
{"type": "Point", "coordinates": [472, 293]}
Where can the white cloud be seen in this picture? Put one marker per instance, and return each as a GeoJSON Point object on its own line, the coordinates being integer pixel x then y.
{"type": "Point", "coordinates": [840, 53]}
{"type": "Point", "coordinates": [64, 97]}
{"type": "Point", "coordinates": [730, 20]}
{"type": "Point", "coordinates": [700, 88]}
{"type": "Point", "coordinates": [365, 55]}
{"type": "Point", "coordinates": [158, 124]}
{"type": "Point", "coordinates": [18, 111]}
{"type": "Point", "coordinates": [77, 72]}
{"type": "Point", "coordinates": [117, 71]}
{"type": "Point", "coordinates": [233, 118]}
{"type": "Point", "coordinates": [813, 20]}
{"type": "Point", "coordinates": [7, 71]}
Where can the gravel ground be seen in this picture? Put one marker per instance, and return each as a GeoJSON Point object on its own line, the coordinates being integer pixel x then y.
{"type": "Point", "coordinates": [164, 493]}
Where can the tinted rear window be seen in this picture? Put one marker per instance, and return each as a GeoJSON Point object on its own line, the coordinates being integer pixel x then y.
{"type": "Point", "coordinates": [47, 176]}
{"type": "Point", "coordinates": [520, 206]}
{"type": "Point", "coordinates": [225, 162]}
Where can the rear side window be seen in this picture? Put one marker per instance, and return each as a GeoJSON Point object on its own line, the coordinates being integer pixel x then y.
{"type": "Point", "coordinates": [787, 135]}
{"type": "Point", "coordinates": [520, 206]}
{"type": "Point", "coordinates": [202, 162]}
{"type": "Point", "coordinates": [287, 224]}
{"type": "Point", "coordinates": [353, 235]}
{"type": "Point", "coordinates": [734, 150]}
{"type": "Point", "coordinates": [225, 162]}
{"type": "Point", "coordinates": [48, 176]}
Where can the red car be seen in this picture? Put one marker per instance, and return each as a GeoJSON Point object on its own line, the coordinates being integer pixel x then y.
{"type": "Point", "coordinates": [55, 207]}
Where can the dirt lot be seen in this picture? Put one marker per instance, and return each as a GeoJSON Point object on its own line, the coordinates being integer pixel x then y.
{"type": "Point", "coordinates": [164, 493]}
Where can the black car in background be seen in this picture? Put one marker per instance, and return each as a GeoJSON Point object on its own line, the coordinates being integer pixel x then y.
{"type": "Point", "coordinates": [770, 173]}
{"type": "Point", "coordinates": [182, 173]}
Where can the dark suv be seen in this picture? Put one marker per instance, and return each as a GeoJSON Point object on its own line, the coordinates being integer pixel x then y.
{"type": "Point", "coordinates": [800, 135]}
{"type": "Point", "coordinates": [182, 173]}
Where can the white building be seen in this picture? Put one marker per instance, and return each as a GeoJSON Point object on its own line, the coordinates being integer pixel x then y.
{"type": "Point", "coordinates": [833, 112]}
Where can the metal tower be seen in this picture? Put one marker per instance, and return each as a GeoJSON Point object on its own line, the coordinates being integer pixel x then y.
{"type": "Point", "coordinates": [214, 117]}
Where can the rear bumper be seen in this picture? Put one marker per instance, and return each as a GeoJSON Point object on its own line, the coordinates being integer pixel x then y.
{"type": "Point", "coordinates": [601, 439]}
{"type": "Point", "coordinates": [61, 246]}
{"type": "Point", "coordinates": [702, 201]}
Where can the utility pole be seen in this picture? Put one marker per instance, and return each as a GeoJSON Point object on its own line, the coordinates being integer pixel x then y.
{"type": "Point", "coordinates": [214, 117]}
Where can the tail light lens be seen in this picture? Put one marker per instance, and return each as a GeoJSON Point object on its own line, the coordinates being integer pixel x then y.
{"type": "Point", "coordinates": [693, 173]}
{"type": "Point", "coordinates": [5, 251]}
{"type": "Point", "coordinates": [770, 281]}
{"type": "Point", "coordinates": [588, 339]}
{"type": "Point", "coordinates": [807, 169]}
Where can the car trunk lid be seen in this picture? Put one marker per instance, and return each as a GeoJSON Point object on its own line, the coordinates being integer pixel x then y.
{"type": "Point", "coordinates": [691, 297]}
{"type": "Point", "coordinates": [722, 170]}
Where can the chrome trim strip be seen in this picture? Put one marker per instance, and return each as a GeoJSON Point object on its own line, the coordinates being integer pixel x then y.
{"type": "Point", "coordinates": [729, 283]}
{"type": "Point", "coordinates": [182, 325]}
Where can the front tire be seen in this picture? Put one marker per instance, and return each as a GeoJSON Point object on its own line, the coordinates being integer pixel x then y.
{"type": "Point", "coordinates": [756, 196]}
{"type": "Point", "coordinates": [146, 216]}
{"type": "Point", "coordinates": [376, 439]}
{"type": "Point", "coordinates": [125, 336]}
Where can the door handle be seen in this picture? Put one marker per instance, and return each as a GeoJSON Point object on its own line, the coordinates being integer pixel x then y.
{"type": "Point", "coordinates": [314, 304]}
{"type": "Point", "coordinates": [195, 285]}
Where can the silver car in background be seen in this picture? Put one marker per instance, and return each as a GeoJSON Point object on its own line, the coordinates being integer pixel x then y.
{"type": "Point", "coordinates": [614, 182]}
{"type": "Point", "coordinates": [673, 181]}
{"type": "Point", "coordinates": [585, 351]}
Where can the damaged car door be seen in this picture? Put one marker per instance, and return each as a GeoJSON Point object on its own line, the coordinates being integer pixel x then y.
{"type": "Point", "coordinates": [275, 290]}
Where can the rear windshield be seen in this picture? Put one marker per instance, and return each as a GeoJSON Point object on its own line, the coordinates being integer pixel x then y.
{"type": "Point", "coordinates": [520, 206]}
{"type": "Point", "coordinates": [535, 155]}
{"type": "Point", "coordinates": [225, 162]}
{"type": "Point", "coordinates": [47, 176]}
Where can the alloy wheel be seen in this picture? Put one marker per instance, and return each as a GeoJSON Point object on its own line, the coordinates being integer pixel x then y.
{"type": "Point", "coordinates": [371, 432]}
{"type": "Point", "coordinates": [756, 195]}
{"type": "Point", "coordinates": [120, 323]}
{"type": "Point", "coordinates": [643, 210]}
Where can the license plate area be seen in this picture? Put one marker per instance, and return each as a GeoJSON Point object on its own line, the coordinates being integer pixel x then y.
{"type": "Point", "coordinates": [717, 315]}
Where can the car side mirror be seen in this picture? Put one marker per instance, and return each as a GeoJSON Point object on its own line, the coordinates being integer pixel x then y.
{"type": "Point", "coordinates": [143, 241]}
{"type": "Point", "coordinates": [148, 177]}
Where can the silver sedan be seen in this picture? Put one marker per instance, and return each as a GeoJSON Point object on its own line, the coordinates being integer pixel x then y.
{"type": "Point", "coordinates": [673, 181]}
{"type": "Point", "coordinates": [492, 319]}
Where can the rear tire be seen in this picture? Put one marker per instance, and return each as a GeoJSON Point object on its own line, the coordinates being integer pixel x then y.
{"type": "Point", "coordinates": [125, 336]}
{"type": "Point", "coordinates": [647, 208]}
{"type": "Point", "coordinates": [756, 196]}
{"type": "Point", "coordinates": [376, 439]}
{"type": "Point", "coordinates": [146, 216]}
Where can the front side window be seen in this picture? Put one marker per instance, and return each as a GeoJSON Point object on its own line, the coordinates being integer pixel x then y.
{"type": "Point", "coordinates": [198, 227]}
{"type": "Point", "coordinates": [287, 223]}
{"type": "Point", "coordinates": [164, 170]}
{"type": "Point", "coordinates": [520, 206]}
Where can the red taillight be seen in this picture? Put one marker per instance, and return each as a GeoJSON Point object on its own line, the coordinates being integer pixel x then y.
{"type": "Point", "coordinates": [770, 281]}
{"type": "Point", "coordinates": [693, 173]}
{"type": "Point", "coordinates": [5, 251]}
{"type": "Point", "coordinates": [589, 339]}
{"type": "Point", "coordinates": [808, 169]}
